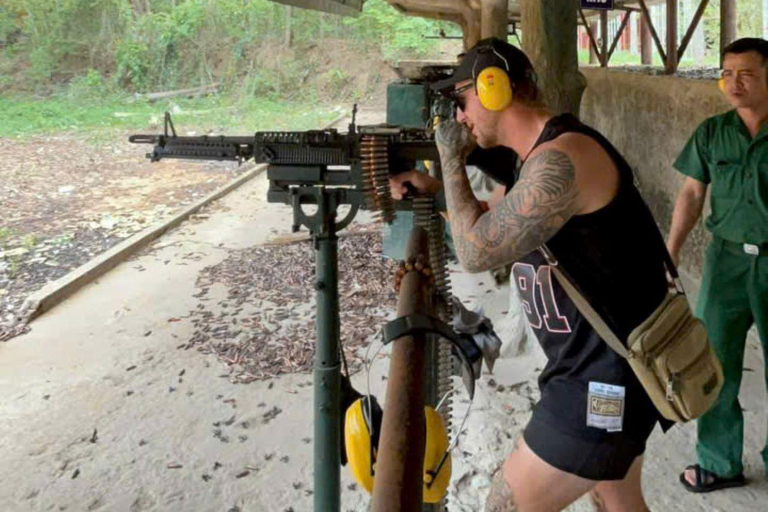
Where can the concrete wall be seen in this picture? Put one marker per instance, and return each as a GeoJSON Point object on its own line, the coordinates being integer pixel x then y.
{"type": "Point", "coordinates": [649, 119]}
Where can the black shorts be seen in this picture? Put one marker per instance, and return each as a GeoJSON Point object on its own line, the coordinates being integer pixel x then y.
{"type": "Point", "coordinates": [571, 446]}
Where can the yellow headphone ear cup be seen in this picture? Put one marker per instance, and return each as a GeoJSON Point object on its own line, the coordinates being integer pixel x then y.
{"type": "Point", "coordinates": [435, 486]}
{"type": "Point", "coordinates": [494, 89]}
{"type": "Point", "coordinates": [358, 439]}
{"type": "Point", "coordinates": [721, 84]}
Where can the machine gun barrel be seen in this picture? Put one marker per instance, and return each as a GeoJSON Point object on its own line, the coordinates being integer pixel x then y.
{"type": "Point", "coordinates": [196, 148]}
{"type": "Point", "coordinates": [314, 147]}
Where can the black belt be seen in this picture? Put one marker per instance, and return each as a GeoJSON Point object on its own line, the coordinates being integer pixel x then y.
{"type": "Point", "coordinates": [759, 249]}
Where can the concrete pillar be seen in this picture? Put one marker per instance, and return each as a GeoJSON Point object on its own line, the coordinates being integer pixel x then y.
{"type": "Point", "coordinates": [727, 23]}
{"type": "Point", "coordinates": [493, 19]}
{"type": "Point", "coordinates": [592, 54]}
{"type": "Point", "coordinates": [549, 40]}
{"type": "Point", "coordinates": [646, 43]}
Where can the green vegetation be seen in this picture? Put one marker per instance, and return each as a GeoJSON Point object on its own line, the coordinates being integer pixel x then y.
{"type": "Point", "coordinates": [625, 58]}
{"type": "Point", "coordinates": [6, 234]}
{"type": "Point", "coordinates": [749, 24]}
{"type": "Point", "coordinates": [78, 65]}
{"type": "Point", "coordinates": [29, 241]}
{"type": "Point", "coordinates": [165, 44]}
{"type": "Point", "coordinates": [23, 115]}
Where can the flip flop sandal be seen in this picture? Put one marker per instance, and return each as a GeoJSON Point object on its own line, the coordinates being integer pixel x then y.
{"type": "Point", "coordinates": [706, 481]}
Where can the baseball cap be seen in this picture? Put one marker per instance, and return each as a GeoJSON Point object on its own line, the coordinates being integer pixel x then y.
{"type": "Point", "coordinates": [486, 53]}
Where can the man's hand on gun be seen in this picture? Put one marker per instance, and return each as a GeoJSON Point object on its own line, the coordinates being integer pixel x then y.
{"type": "Point", "coordinates": [419, 181]}
{"type": "Point", "coordinates": [404, 183]}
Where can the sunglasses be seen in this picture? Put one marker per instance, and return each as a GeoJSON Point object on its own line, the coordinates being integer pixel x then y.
{"type": "Point", "coordinates": [456, 96]}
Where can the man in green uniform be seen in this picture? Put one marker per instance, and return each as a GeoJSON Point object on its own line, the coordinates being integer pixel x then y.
{"type": "Point", "coordinates": [729, 152]}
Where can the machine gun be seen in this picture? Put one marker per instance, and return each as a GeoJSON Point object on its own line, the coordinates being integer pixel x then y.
{"type": "Point", "coordinates": [355, 165]}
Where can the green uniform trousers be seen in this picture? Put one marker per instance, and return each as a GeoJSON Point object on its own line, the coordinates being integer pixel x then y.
{"type": "Point", "coordinates": [733, 296]}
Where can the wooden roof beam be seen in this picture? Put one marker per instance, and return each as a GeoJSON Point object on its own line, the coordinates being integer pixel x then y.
{"type": "Point", "coordinates": [340, 7]}
{"type": "Point", "coordinates": [478, 18]}
{"type": "Point", "coordinates": [470, 18]}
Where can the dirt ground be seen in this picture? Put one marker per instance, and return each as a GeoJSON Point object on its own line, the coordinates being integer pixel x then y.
{"type": "Point", "coordinates": [65, 199]}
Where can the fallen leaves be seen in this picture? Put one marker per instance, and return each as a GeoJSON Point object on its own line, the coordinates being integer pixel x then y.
{"type": "Point", "coordinates": [266, 326]}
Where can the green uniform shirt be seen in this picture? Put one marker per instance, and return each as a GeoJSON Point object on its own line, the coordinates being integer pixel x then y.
{"type": "Point", "coordinates": [722, 153]}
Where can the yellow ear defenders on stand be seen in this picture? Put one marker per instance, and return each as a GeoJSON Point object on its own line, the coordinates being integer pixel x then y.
{"type": "Point", "coordinates": [494, 89]}
{"type": "Point", "coordinates": [362, 422]}
{"type": "Point", "coordinates": [362, 428]}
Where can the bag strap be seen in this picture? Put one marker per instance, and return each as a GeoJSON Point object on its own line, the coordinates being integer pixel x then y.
{"type": "Point", "coordinates": [583, 305]}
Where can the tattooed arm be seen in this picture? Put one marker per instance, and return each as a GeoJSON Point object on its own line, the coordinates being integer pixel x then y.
{"type": "Point", "coordinates": [540, 203]}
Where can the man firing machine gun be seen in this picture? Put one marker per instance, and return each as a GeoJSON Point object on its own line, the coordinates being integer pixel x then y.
{"type": "Point", "coordinates": [329, 169]}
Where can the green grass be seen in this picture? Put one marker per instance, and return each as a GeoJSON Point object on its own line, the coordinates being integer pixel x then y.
{"type": "Point", "coordinates": [623, 58]}
{"type": "Point", "coordinates": [6, 234]}
{"type": "Point", "coordinates": [24, 115]}
{"type": "Point", "coordinates": [29, 241]}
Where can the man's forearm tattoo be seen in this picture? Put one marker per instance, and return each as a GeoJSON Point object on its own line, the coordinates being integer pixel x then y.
{"type": "Point", "coordinates": [542, 200]}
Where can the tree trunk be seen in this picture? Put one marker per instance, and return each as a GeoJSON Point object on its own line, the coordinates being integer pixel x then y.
{"type": "Point", "coordinates": [288, 40]}
{"type": "Point", "coordinates": [140, 8]}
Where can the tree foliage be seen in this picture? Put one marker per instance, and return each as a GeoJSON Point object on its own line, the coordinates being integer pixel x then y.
{"type": "Point", "coordinates": [749, 21]}
{"type": "Point", "coordinates": [154, 44]}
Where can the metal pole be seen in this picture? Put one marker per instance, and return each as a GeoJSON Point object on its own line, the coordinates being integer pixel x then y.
{"type": "Point", "coordinates": [327, 371]}
{"type": "Point", "coordinates": [670, 65]}
{"type": "Point", "coordinates": [400, 463]}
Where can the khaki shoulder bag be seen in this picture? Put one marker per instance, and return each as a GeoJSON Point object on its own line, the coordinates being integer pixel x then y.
{"type": "Point", "coordinates": [669, 352]}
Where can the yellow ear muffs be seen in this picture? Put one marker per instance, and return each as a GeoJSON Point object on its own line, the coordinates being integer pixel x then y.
{"type": "Point", "coordinates": [493, 88]}
{"type": "Point", "coordinates": [436, 477]}
{"type": "Point", "coordinates": [361, 438]}
{"type": "Point", "coordinates": [721, 84]}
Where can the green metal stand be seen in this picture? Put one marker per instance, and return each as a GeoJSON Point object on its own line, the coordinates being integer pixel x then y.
{"type": "Point", "coordinates": [323, 225]}
{"type": "Point", "coordinates": [327, 377]}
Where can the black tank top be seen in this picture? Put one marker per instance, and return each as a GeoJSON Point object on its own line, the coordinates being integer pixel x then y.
{"type": "Point", "coordinates": [613, 256]}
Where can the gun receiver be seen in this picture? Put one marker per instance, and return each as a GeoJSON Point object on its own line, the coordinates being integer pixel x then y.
{"type": "Point", "coordinates": [360, 160]}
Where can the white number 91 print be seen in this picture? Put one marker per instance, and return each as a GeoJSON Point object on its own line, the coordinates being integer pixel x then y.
{"type": "Point", "coordinates": [531, 283]}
